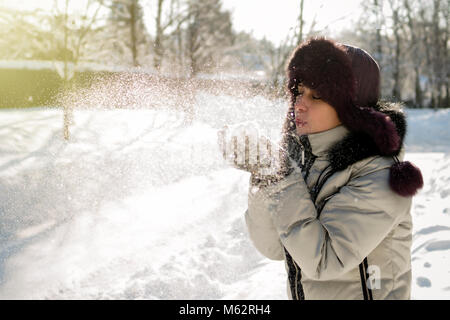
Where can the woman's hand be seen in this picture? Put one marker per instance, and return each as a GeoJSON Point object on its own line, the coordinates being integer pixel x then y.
{"type": "Point", "coordinates": [246, 150]}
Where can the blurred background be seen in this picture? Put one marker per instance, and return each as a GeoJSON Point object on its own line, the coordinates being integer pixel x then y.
{"type": "Point", "coordinates": [49, 46]}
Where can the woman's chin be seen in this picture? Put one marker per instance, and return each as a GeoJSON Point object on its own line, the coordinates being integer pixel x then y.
{"type": "Point", "coordinates": [303, 130]}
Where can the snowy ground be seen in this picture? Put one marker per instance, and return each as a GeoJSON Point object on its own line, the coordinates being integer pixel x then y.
{"type": "Point", "coordinates": [140, 205]}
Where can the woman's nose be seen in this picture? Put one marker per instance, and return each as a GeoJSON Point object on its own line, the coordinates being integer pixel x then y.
{"type": "Point", "coordinates": [300, 105]}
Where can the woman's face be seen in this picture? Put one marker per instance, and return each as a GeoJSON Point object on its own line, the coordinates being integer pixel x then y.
{"type": "Point", "coordinates": [312, 114]}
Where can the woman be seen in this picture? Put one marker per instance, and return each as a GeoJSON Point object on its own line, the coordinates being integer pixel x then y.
{"type": "Point", "coordinates": [338, 212]}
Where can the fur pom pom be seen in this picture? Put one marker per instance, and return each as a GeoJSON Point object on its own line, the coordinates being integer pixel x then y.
{"type": "Point", "coordinates": [405, 178]}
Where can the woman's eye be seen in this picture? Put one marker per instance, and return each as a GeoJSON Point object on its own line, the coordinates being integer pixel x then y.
{"type": "Point", "coordinates": [316, 98]}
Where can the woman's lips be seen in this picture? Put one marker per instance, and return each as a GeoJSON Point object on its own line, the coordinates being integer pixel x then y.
{"type": "Point", "coordinates": [300, 123]}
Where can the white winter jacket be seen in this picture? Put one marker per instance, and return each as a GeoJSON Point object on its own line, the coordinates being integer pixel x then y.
{"type": "Point", "coordinates": [362, 220]}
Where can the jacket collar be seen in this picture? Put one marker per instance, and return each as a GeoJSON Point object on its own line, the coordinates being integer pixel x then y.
{"type": "Point", "coordinates": [343, 148]}
{"type": "Point", "coordinates": [356, 146]}
{"type": "Point", "coordinates": [321, 142]}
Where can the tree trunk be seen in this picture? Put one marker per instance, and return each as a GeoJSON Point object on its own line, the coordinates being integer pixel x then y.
{"type": "Point", "coordinates": [413, 47]}
{"type": "Point", "coordinates": [192, 50]}
{"type": "Point", "coordinates": [193, 36]}
{"type": "Point", "coordinates": [133, 10]}
{"type": "Point", "coordinates": [446, 71]}
{"type": "Point", "coordinates": [418, 90]}
{"type": "Point", "coordinates": [300, 30]}
{"type": "Point", "coordinates": [436, 83]}
{"type": "Point", "coordinates": [396, 74]}
{"type": "Point", "coordinates": [378, 51]}
{"type": "Point", "coordinates": [158, 39]}
{"type": "Point", "coordinates": [66, 111]}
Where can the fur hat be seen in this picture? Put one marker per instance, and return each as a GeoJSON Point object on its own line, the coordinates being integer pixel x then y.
{"type": "Point", "coordinates": [323, 65]}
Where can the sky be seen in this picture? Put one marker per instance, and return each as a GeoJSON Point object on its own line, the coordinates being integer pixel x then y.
{"type": "Point", "coordinates": [274, 18]}
{"type": "Point", "coordinates": [264, 18]}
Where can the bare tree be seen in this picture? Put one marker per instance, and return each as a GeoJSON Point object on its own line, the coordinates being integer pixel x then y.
{"type": "Point", "coordinates": [208, 34]}
{"type": "Point", "coordinates": [19, 35]}
{"type": "Point", "coordinates": [278, 55]}
{"type": "Point", "coordinates": [371, 32]}
{"type": "Point", "coordinates": [300, 23]}
{"type": "Point", "coordinates": [440, 53]}
{"type": "Point", "coordinates": [64, 35]}
{"type": "Point", "coordinates": [127, 30]}
{"type": "Point", "coordinates": [396, 25]}
{"type": "Point", "coordinates": [434, 22]}
{"type": "Point", "coordinates": [415, 50]}
{"type": "Point", "coordinates": [158, 38]}
{"type": "Point", "coordinates": [175, 16]}
{"type": "Point", "coordinates": [446, 58]}
{"type": "Point", "coordinates": [378, 11]}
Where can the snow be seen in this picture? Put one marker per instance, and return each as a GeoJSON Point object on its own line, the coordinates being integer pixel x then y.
{"type": "Point", "coordinates": [430, 131]}
{"type": "Point", "coordinates": [244, 75]}
{"type": "Point", "coordinates": [140, 205]}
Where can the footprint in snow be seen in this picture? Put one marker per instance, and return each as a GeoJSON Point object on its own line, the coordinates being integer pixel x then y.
{"type": "Point", "coordinates": [423, 282]}
{"type": "Point", "coordinates": [438, 245]}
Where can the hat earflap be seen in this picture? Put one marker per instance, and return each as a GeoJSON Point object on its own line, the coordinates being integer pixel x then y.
{"type": "Point", "coordinates": [374, 123]}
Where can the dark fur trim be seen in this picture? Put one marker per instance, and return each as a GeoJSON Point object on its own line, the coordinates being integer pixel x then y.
{"type": "Point", "coordinates": [357, 146]}
{"type": "Point", "coordinates": [404, 177]}
{"type": "Point", "coordinates": [354, 147]}
{"type": "Point", "coordinates": [394, 111]}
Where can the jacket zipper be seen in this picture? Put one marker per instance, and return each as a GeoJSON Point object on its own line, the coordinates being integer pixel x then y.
{"type": "Point", "coordinates": [366, 291]}
{"type": "Point", "coordinates": [302, 147]}
{"type": "Point", "coordinates": [365, 281]}
{"type": "Point", "coordinates": [369, 290]}
{"type": "Point", "coordinates": [297, 271]}
{"type": "Point", "coordinates": [296, 279]}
